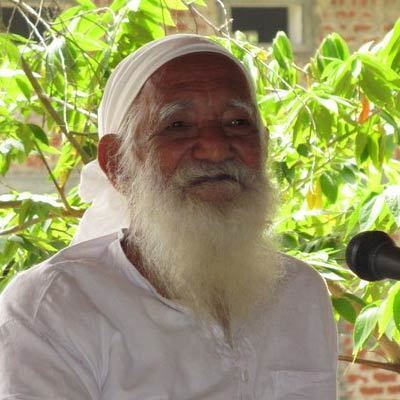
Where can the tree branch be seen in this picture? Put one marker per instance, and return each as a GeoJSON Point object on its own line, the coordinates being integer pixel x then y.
{"type": "Point", "coordinates": [52, 112]}
{"type": "Point", "coordinates": [72, 213]}
{"type": "Point", "coordinates": [10, 204]}
{"type": "Point", "coordinates": [374, 364]}
{"type": "Point", "coordinates": [92, 116]}
{"type": "Point", "coordinates": [53, 178]}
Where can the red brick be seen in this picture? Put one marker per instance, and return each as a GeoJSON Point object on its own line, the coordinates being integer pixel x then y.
{"type": "Point", "coordinates": [34, 161]}
{"type": "Point", "coordinates": [350, 39]}
{"type": "Point", "coordinates": [385, 377]}
{"type": "Point", "coordinates": [362, 27]}
{"type": "Point", "coordinates": [345, 14]}
{"type": "Point", "coordinates": [367, 14]}
{"type": "Point", "coordinates": [327, 28]}
{"type": "Point", "coordinates": [347, 341]}
{"type": "Point", "coordinates": [366, 367]}
{"type": "Point", "coordinates": [353, 378]}
{"type": "Point", "coordinates": [181, 27]}
{"type": "Point", "coordinates": [394, 389]}
{"type": "Point", "coordinates": [348, 328]}
{"type": "Point", "coordinates": [371, 390]}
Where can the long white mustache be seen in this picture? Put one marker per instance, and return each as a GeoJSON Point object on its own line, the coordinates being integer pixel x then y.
{"type": "Point", "coordinates": [197, 172]}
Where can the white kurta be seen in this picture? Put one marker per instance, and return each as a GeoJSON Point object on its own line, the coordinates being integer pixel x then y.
{"type": "Point", "coordinates": [86, 325]}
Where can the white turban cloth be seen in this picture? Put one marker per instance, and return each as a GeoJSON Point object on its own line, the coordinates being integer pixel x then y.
{"type": "Point", "coordinates": [109, 212]}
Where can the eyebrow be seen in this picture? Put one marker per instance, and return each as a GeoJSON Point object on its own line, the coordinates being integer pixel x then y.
{"type": "Point", "coordinates": [171, 108]}
{"type": "Point", "coordinates": [246, 105]}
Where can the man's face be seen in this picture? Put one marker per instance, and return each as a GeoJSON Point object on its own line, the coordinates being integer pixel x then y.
{"type": "Point", "coordinates": [204, 112]}
{"type": "Point", "coordinates": [197, 193]}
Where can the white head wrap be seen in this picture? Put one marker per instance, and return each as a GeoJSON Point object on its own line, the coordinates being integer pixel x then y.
{"type": "Point", "coordinates": [109, 210]}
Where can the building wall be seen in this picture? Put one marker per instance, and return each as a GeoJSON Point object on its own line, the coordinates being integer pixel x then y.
{"type": "Point", "coordinates": [358, 21]}
{"type": "Point", "coordinates": [361, 382]}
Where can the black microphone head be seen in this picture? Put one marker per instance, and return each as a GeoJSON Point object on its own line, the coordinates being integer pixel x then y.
{"type": "Point", "coordinates": [361, 251]}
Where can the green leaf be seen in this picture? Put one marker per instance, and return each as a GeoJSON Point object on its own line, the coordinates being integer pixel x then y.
{"type": "Point", "coordinates": [25, 211]}
{"type": "Point", "coordinates": [329, 187]}
{"type": "Point", "coordinates": [303, 150]}
{"type": "Point", "coordinates": [66, 17]}
{"type": "Point", "coordinates": [25, 88]}
{"type": "Point", "coordinates": [371, 211]}
{"type": "Point", "coordinates": [364, 326]}
{"type": "Point", "coordinates": [87, 44]}
{"type": "Point", "coordinates": [38, 133]}
{"type": "Point", "coordinates": [345, 309]}
{"type": "Point", "coordinates": [116, 5]}
{"type": "Point", "coordinates": [373, 148]}
{"type": "Point", "coordinates": [87, 4]}
{"type": "Point", "coordinates": [301, 128]}
{"type": "Point", "coordinates": [347, 173]}
{"type": "Point", "coordinates": [282, 49]}
{"type": "Point", "coordinates": [388, 49]}
{"type": "Point", "coordinates": [323, 121]}
{"type": "Point", "coordinates": [9, 48]}
{"type": "Point", "coordinates": [392, 198]}
{"type": "Point", "coordinates": [341, 80]}
{"type": "Point", "coordinates": [396, 310]}
{"type": "Point", "coordinates": [361, 146]}
{"type": "Point", "coordinates": [175, 4]}
{"type": "Point", "coordinates": [387, 310]}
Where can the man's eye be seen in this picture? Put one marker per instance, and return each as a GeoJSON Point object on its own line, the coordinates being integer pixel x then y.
{"type": "Point", "coordinates": [178, 124]}
{"type": "Point", "coordinates": [239, 122]}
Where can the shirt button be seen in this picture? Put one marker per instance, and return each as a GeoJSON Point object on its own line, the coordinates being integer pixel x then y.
{"type": "Point", "coordinates": [245, 375]}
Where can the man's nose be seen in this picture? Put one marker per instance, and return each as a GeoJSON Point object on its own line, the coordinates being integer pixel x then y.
{"type": "Point", "coordinates": [212, 145]}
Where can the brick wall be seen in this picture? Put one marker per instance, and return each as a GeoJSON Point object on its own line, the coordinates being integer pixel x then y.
{"type": "Point", "coordinates": [358, 21]}
{"type": "Point", "coordinates": [361, 382]}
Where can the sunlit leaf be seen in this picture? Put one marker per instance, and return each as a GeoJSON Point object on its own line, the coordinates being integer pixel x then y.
{"type": "Point", "coordinates": [344, 307]}
{"type": "Point", "coordinates": [329, 187]}
{"type": "Point", "coordinates": [364, 325]}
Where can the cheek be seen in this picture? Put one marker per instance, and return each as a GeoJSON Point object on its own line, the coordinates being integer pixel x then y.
{"type": "Point", "coordinates": [249, 150]}
{"type": "Point", "coordinates": [171, 154]}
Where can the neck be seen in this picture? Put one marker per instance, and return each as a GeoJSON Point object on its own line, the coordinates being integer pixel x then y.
{"type": "Point", "coordinates": [133, 254]}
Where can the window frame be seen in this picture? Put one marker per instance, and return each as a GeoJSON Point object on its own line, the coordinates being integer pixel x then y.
{"type": "Point", "coordinates": [300, 18]}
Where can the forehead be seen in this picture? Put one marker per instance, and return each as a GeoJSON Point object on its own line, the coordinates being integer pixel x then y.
{"type": "Point", "coordinates": [199, 72]}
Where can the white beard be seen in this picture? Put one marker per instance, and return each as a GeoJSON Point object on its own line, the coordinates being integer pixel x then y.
{"type": "Point", "coordinates": [214, 260]}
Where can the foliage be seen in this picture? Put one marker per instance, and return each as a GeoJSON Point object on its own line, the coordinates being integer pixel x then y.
{"type": "Point", "coordinates": [334, 135]}
{"type": "Point", "coordinates": [334, 155]}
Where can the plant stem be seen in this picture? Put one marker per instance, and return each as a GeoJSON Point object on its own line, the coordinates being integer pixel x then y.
{"type": "Point", "coordinates": [371, 363]}
{"type": "Point", "coordinates": [52, 112]}
{"type": "Point", "coordinates": [10, 204]}
{"type": "Point", "coordinates": [53, 178]}
{"type": "Point", "coordinates": [73, 213]}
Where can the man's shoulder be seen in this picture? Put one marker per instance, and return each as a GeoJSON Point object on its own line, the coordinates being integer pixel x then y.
{"type": "Point", "coordinates": [26, 292]}
{"type": "Point", "coordinates": [301, 277]}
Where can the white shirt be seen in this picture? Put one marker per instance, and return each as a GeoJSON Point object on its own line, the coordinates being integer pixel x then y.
{"type": "Point", "coordinates": [86, 325]}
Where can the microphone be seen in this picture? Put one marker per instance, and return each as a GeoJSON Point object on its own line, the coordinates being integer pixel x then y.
{"type": "Point", "coordinates": [373, 256]}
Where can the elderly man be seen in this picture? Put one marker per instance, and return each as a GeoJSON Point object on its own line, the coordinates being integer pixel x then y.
{"type": "Point", "coordinates": [190, 300]}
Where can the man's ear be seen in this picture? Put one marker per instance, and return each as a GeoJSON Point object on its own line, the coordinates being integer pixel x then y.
{"type": "Point", "coordinates": [107, 151]}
